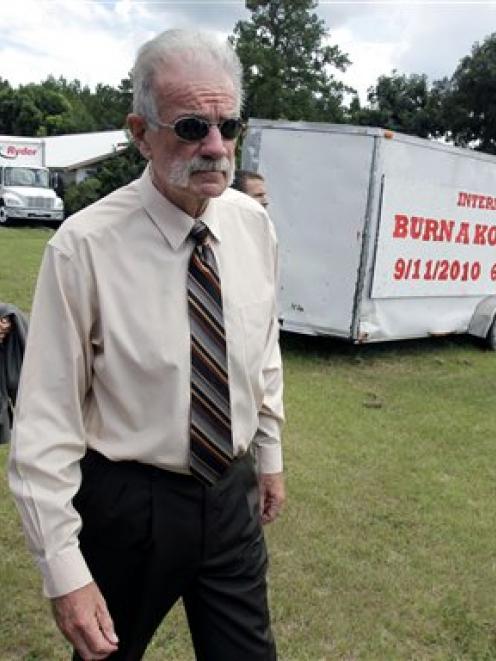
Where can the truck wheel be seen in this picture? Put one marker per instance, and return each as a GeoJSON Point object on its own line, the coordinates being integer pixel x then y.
{"type": "Point", "coordinates": [3, 215]}
{"type": "Point", "coordinates": [491, 336]}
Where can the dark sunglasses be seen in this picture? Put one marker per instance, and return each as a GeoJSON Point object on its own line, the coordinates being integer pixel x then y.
{"type": "Point", "coordinates": [193, 129]}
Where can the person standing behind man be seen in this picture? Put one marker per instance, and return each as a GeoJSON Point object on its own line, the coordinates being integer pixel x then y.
{"type": "Point", "coordinates": [253, 184]}
{"type": "Point", "coordinates": [13, 329]}
{"type": "Point", "coordinates": [152, 375]}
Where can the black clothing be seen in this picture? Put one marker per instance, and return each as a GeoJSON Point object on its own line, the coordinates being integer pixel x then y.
{"type": "Point", "coordinates": [11, 355]}
{"type": "Point", "coordinates": [151, 536]}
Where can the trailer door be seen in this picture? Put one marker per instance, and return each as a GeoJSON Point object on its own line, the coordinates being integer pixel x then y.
{"type": "Point", "coordinates": [318, 183]}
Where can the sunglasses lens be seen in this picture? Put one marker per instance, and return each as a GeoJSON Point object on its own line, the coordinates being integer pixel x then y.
{"type": "Point", "coordinates": [191, 129]}
{"type": "Point", "coordinates": [231, 128]}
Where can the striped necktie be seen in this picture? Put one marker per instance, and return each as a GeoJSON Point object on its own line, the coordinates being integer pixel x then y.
{"type": "Point", "coordinates": [211, 450]}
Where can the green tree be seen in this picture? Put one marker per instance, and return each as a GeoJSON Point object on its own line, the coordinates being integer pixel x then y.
{"type": "Point", "coordinates": [77, 116]}
{"type": "Point", "coordinates": [25, 117]}
{"type": "Point", "coordinates": [287, 63]}
{"type": "Point", "coordinates": [400, 103]}
{"type": "Point", "coordinates": [109, 106]}
{"type": "Point", "coordinates": [468, 99]}
{"type": "Point", "coordinates": [58, 106]}
{"type": "Point", "coordinates": [110, 175]}
{"type": "Point", "coordinates": [7, 107]}
{"type": "Point", "coordinates": [19, 114]}
{"type": "Point", "coordinates": [42, 109]}
{"type": "Point", "coordinates": [120, 170]}
{"type": "Point", "coordinates": [78, 196]}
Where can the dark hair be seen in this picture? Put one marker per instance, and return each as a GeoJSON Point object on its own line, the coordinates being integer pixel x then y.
{"type": "Point", "coordinates": [240, 178]}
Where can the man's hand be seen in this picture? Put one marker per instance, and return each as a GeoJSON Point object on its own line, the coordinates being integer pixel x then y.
{"type": "Point", "coordinates": [83, 618]}
{"type": "Point", "coordinates": [272, 495]}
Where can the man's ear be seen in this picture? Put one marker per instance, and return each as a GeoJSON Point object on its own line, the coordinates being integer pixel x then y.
{"type": "Point", "coordinates": [138, 126]}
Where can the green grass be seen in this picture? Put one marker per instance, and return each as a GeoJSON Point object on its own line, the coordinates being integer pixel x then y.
{"type": "Point", "coordinates": [20, 252]}
{"type": "Point", "coordinates": [386, 550]}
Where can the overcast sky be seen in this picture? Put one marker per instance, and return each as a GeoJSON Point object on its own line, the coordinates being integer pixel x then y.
{"type": "Point", "coordinates": [95, 40]}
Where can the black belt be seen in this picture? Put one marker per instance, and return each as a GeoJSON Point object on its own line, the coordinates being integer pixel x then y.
{"type": "Point", "coordinates": [94, 459]}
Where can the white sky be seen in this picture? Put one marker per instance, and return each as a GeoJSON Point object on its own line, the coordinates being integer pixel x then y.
{"type": "Point", "coordinates": [95, 40]}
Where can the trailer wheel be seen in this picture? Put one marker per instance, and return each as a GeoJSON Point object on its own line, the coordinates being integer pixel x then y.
{"type": "Point", "coordinates": [491, 336]}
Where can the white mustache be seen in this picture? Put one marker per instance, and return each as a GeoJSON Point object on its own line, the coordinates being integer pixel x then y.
{"type": "Point", "coordinates": [182, 170]}
{"type": "Point", "coordinates": [199, 164]}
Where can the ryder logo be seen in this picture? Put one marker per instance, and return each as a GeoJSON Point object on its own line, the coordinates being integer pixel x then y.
{"type": "Point", "coordinates": [11, 152]}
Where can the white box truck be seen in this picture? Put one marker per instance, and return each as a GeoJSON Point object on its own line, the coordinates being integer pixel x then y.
{"type": "Point", "coordinates": [25, 191]}
{"type": "Point", "coordinates": [382, 236]}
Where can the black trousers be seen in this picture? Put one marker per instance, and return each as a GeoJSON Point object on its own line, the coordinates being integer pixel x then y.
{"type": "Point", "coordinates": [151, 537]}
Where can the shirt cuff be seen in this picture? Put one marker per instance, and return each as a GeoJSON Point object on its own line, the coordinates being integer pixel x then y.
{"type": "Point", "coordinates": [269, 458]}
{"type": "Point", "coordinates": [64, 573]}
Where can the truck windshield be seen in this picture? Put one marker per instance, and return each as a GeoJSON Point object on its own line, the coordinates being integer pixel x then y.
{"type": "Point", "coordinates": [26, 177]}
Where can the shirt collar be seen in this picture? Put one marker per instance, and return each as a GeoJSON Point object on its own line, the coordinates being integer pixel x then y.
{"type": "Point", "coordinates": [173, 223]}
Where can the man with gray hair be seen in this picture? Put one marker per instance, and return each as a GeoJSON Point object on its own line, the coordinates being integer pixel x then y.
{"type": "Point", "coordinates": [146, 454]}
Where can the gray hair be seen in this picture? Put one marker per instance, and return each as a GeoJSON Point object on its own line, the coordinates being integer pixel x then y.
{"type": "Point", "coordinates": [165, 47]}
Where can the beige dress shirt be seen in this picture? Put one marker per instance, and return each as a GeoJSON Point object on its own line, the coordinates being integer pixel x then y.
{"type": "Point", "coordinates": [107, 362]}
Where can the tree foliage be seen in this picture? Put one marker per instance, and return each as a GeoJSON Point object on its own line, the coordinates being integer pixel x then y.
{"type": "Point", "coordinates": [401, 103]}
{"type": "Point", "coordinates": [287, 63]}
{"type": "Point", "coordinates": [110, 175]}
{"type": "Point", "coordinates": [461, 109]}
{"type": "Point", "coordinates": [78, 196]}
{"type": "Point", "coordinates": [57, 106]}
{"type": "Point", "coordinates": [469, 99]}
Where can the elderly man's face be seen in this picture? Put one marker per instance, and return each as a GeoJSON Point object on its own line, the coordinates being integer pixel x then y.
{"type": "Point", "coordinates": [184, 91]}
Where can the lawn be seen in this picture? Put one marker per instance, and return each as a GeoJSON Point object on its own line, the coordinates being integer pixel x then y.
{"type": "Point", "coordinates": [386, 550]}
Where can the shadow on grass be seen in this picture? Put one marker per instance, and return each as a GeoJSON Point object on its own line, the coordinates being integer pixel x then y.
{"type": "Point", "coordinates": [31, 224]}
{"type": "Point", "coordinates": [327, 347]}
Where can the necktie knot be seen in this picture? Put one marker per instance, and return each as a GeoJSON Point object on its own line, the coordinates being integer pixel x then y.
{"type": "Point", "coordinates": [199, 233]}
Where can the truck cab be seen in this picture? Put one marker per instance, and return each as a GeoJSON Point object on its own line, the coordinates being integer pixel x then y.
{"type": "Point", "coordinates": [25, 191]}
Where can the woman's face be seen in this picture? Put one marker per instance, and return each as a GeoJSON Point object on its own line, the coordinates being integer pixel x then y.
{"type": "Point", "coordinates": [5, 326]}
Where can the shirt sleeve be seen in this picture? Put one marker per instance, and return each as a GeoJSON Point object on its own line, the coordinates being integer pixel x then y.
{"type": "Point", "coordinates": [48, 437]}
{"type": "Point", "coordinates": [271, 415]}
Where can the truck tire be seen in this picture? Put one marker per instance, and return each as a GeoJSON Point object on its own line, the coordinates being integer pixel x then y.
{"type": "Point", "coordinates": [491, 336]}
{"type": "Point", "coordinates": [3, 215]}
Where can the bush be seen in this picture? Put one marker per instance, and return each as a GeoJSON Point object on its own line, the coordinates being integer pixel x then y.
{"type": "Point", "coordinates": [78, 196]}
{"type": "Point", "coordinates": [110, 175]}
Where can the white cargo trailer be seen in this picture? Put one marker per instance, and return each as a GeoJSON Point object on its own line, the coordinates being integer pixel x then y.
{"type": "Point", "coordinates": [382, 236]}
{"type": "Point", "coordinates": [25, 191]}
